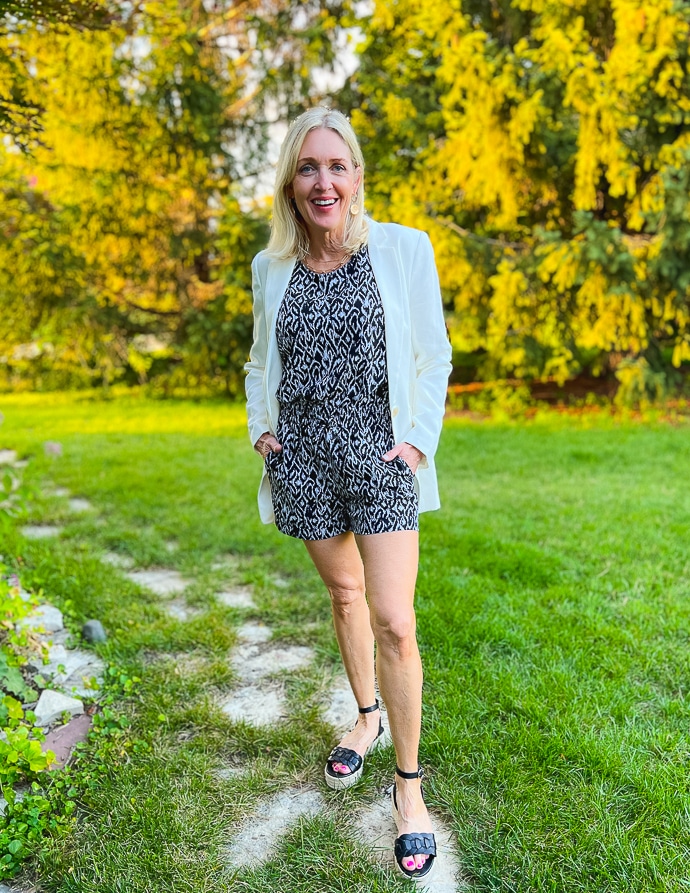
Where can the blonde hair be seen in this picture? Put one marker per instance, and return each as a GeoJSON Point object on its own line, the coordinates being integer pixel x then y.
{"type": "Point", "coordinates": [289, 237]}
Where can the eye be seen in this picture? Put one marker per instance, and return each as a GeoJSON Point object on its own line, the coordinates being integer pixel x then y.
{"type": "Point", "coordinates": [339, 168]}
{"type": "Point", "coordinates": [306, 168]}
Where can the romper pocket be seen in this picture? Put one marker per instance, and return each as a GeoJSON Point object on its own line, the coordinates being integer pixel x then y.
{"type": "Point", "coordinates": [399, 463]}
{"type": "Point", "coordinates": [272, 459]}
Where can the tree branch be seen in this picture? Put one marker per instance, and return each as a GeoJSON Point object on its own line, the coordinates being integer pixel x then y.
{"type": "Point", "coordinates": [483, 240]}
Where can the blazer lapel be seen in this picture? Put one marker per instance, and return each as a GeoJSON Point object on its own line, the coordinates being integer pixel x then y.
{"type": "Point", "coordinates": [388, 273]}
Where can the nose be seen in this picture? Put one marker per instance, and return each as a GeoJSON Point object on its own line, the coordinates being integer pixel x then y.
{"type": "Point", "coordinates": [323, 180]}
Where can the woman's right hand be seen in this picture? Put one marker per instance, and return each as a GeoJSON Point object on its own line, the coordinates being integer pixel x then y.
{"type": "Point", "coordinates": [266, 444]}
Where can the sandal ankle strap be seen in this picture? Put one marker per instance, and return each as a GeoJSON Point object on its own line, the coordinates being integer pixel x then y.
{"type": "Point", "coordinates": [418, 774]}
{"type": "Point", "coordinates": [369, 709]}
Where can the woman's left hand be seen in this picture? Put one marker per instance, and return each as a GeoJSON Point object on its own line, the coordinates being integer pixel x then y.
{"type": "Point", "coordinates": [410, 455]}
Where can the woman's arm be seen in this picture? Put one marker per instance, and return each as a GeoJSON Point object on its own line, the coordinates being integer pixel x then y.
{"type": "Point", "coordinates": [257, 411]}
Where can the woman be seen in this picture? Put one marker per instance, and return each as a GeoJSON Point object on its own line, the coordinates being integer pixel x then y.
{"type": "Point", "coordinates": [346, 387]}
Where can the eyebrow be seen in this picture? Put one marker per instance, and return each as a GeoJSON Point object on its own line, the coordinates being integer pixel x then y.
{"type": "Point", "coordinates": [330, 160]}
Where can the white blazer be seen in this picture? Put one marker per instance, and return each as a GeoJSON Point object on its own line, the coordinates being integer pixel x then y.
{"type": "Point", "coordinates": [417, 348]}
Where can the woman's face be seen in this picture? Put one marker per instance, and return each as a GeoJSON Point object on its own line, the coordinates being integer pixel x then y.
{"type": "Point", "coordinates": [325, 182]}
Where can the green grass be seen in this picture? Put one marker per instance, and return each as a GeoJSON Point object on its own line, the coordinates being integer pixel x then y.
{"type": "Point", "coordinates": [554, 621]}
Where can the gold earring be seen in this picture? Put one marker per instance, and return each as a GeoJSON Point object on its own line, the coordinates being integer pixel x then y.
{"type": "Point", "coordinates": [354, 207]}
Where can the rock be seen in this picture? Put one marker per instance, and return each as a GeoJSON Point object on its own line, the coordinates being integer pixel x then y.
{"type": "Point", "coordinates": [40, 531]}
{"type": "Point", "coordinates": [93, 632]}
{"type": "Point", "coordinates": [52, 704]}
{"type": "Point", "coordinates": [45, 618]}
{"type": "Point", "coordinates": [8, 457]}
{"type": "Point", "coordinates": [19, 794]}
{"type": "Point", "coordinates": [58, 656]}
{"type": "Point", "coordinates": [237, 598]}
{"type": "Point", "coordinates": [78, 683]}
{"type": "Point", "coordinates": [63, 739]}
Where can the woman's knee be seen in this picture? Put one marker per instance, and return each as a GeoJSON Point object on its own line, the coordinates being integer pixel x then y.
{"type": "Point", "coordinates": [345, 594]}
{"type": "Point", "coordinates": [396, 631]}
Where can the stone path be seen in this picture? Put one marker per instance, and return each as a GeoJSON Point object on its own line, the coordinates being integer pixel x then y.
{"type": "Point", "coordinates": [258, 839]}
{"type": "Point", "coordinates": [258, 699]}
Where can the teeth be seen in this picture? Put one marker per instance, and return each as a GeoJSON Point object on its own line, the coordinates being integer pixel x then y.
{"type": "Point", "coordinates": [324, 201]}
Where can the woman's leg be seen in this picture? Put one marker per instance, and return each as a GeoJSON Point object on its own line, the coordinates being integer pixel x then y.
{"type": "Point", "coordinates": [339, 563]}
{"type": "Point", "coordinates": [390, 570]}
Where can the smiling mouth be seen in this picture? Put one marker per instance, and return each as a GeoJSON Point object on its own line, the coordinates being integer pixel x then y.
{"type": "Point", "coordinates": [324, 202]}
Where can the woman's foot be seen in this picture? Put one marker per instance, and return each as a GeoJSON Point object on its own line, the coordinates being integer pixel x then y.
{"type": "Point", "coordinates": [346, 761]}
{"type": "Point", "coordinates": [412, 819]}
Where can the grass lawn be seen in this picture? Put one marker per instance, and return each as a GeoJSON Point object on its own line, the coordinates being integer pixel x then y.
{"type": "Point", "coordinates": [554, 622]}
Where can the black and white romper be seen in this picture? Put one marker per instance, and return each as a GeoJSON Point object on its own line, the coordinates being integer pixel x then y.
{"type": "Point", "coordinates": [334, 422]}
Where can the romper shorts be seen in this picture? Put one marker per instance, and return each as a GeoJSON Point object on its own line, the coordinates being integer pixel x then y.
{"type": "Point", "coordinates": [330, 477]}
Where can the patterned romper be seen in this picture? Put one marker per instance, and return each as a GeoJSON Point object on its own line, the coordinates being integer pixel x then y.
{"type": "Point", "coordinates": [334, 422]}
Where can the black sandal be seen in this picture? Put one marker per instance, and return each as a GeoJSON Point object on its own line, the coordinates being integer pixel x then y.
{"type": "Point", "coordinates": [406, 845]}
{"type": "Point", "coordinates": [350, 758]}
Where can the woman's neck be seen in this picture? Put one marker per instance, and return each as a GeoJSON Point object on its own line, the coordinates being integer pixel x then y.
{"type": "Point", "coordinates": [326, 247]}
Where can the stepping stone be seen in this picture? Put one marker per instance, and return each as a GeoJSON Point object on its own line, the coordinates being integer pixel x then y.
{"type": "Point", "coordinates": [254, 633]}
{"type": "Point", "coordinates": [64, 739]}
{"type": "Point", "coordinates": [180, 611]}
{"type": "Point", "coordinates": [76, 683]}
{"type": "Point", "coordinates": [376, 829]}
{"type": "Point", "coordinates": [45, 618]}
{"type": "Point", "coordinates": [40, 531]}
{"type": "Point", "coordinates": [237, 598]}
{"type": "Point", "coordinates": [257, 706]}
{"type": "Point", "coordinates": [252, 663]}
{"type": "Point", "coordinates": [226, 562]}
{"type": "Point", "coordinates": [52, 704]}
{"type": "Point", "coordinates": [77, 504]}
{"type": "Point", "coordinates": [116, 560]}
{"type": "Point", "coordinates": [8, 457]}
{"type": "Point", "coordinates": [234, 770]}
{"type": "Point", "coordinates": [72, 661]}
{"type": "Point", "coordinates": [161, 581]}
{"type": "Point", "coordinates": [258, 839]}
{"type": "Point", "coordinates": [341, 711]}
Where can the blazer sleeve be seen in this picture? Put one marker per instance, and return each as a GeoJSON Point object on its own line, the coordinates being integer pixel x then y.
{"type": "Point", "coordinates": [431, 350]}
{"type": "Point", "coordinates": [257, 411]}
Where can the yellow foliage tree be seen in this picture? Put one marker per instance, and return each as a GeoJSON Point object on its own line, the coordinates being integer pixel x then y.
{"type": "Point", "coordinates": [545, 146]}
{"type": "Point", "coordinates": [124, 246]}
